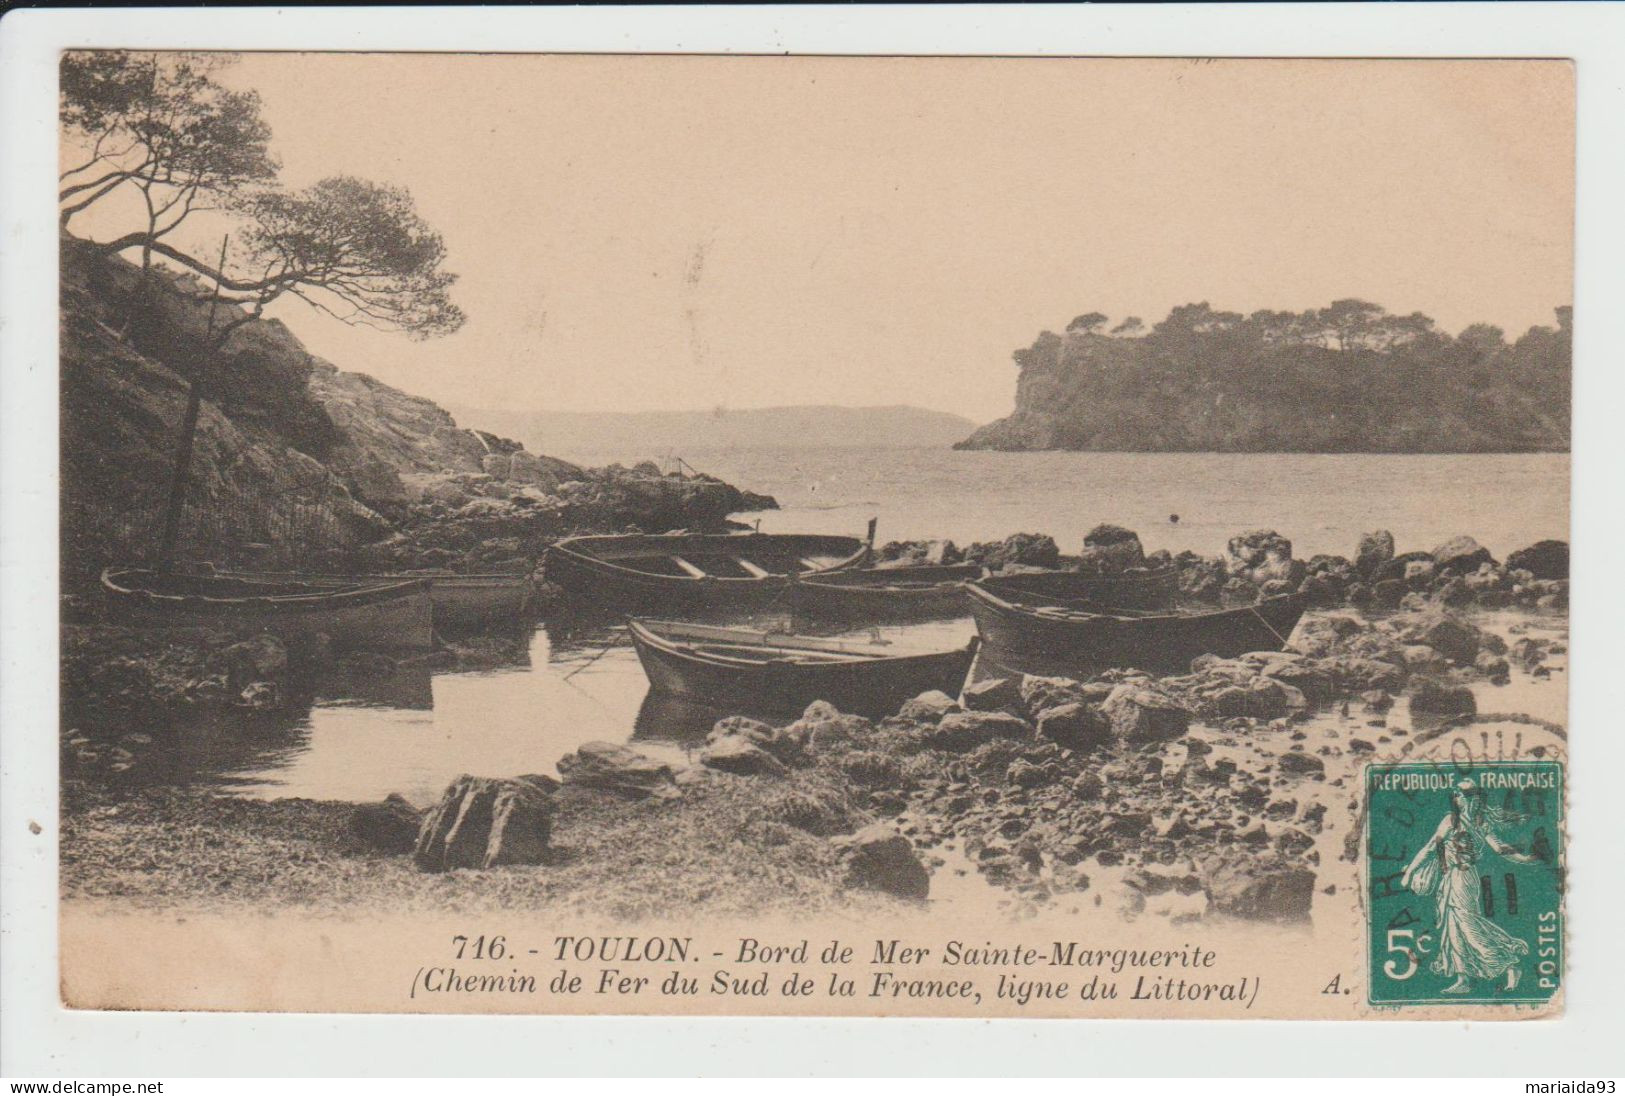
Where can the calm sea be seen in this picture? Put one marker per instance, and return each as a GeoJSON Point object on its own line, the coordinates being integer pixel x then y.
{"type": "Point", "coordinates": [1321, 502]}
{"type": "Point", "coordinates": [416, 731]}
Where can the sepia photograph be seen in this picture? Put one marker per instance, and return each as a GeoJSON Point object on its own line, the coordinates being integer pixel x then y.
{"type": "Point", "coordinates": [814, 535]}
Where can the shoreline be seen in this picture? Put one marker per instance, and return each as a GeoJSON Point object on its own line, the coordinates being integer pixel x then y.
{"type": "Point", "coordinates": [1241, 810]}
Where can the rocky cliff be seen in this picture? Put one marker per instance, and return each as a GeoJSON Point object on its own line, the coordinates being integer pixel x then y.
{"type": "Point", "coordinates": [298, 463]}
{"type": "Point", "coordinates": [1349, 378]}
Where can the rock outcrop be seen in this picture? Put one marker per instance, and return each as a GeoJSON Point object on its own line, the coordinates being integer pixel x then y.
{"type": "Point", "coordinates": [298, 463]}
{"type": "Point", "coordinates": [1545, 559]}
{"type": "Point", "coordinates": [612, 767]}
{"type": "Point", "coordinates": [485, 823]}
{"type": "Point", "coordinates": [1111, 548]}
{"type": "Point", "coordinates": [389, 826]}
{"type": "Point", "coordinates": [1018, 549]}
{"type": "Point", "coordinates": [960, 731]}
{"type": "Point", "coordinates": [1209, 381]}
{"type": "Point", "coordinates": [1241, 886]}
{"type": "Point", "coordinates": [738, 754]}
{"type": "Point", "coordinates": [879, 858]}
{"type": "Point", "coordinates": [1140, 712]}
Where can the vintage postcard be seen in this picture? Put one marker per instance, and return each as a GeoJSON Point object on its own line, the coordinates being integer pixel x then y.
{"type": "Point", "coordinates": [813, 535]}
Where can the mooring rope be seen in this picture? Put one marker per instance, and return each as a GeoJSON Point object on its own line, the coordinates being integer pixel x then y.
{"type": "Point", "coordinates": [1261, 619]}
{"type": "Point", "coordinates": [608, 647]}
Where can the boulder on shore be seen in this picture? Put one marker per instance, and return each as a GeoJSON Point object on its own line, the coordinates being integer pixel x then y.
{"type": "Point", "coordinates": [1024, 774]}
{"type": "Point", "coordinates": [389, 826]}
{"type": "Point", "coordinates": [482, 822]}
{"type": "Point", "coordinates": [609, 766]}
{"type": "Point", "coordinates": [1529, 652]}
{"type": "Point", "coordinates": [877, 857]}
{"type": "Point", "coordinates": [1141, 713]}
{"type": "Point", "coordinates": [1450, 635]}
{"type": "Point", "coordinates": [1545, 559]}
{"type": "Point", "coordinates": [785, 747]}
{"type": "Point", "coordinates": [1075, 726]}
{"type": "Point", "coordinates": [740, 726]}
{"type": "Point", "coordinates": [1248, 550]}
{"type": "Point", "coordinates": [1263, 555]}
{"type": "Point", "coordinates": [1039, 693]}
{"type": "Point", "coordinates": [992, 695]}
{"type": "Point", "coordinates": [929, 707]}
{"type": "Point", "coordinates": [1387, 593]}
{"type": "Point", "coordinates": [261, 658]}
{"type": "Point", "coordinates": [1442, 698]}
{"type": "Point", "coordinates": [1460, 555]}
{"type": "Point", "coordinates": [1374, 550]}
{"type": "Point", "coordinates": [1027, 549]}
{"type": "Point", "coordinates": [1324, 635]}
{"type": "Point", "coordinates": [1399, 567]}
{"type": "Point", "coordinates": [738, 754]}
{"type": "Point", "coordinates": [903, 554]}
{"type": "Point", "coordinates": [822, 726]}
{"type": "Point", "coordinates": [1328, 581]}
{"type": "Point", "coordinates": [1111, 548]}
{"type": "Point", "coordinates": [961, 731]}
{"type": "Point", "coordinates": [1241, 885]}
{"type": "Point", "coordinates": [1301, 763]}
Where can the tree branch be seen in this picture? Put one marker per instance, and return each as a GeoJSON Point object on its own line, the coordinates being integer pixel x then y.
{"type": "Point", "coordinates": [69, 211]}
{"type": "Point", "coordinates": [144, 239]}
{"type": "Point", "coordinates": [121, 174]}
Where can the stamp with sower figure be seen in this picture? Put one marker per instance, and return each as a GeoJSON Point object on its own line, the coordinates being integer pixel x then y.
{"type": "Point", "coordinates": [1464, 883]}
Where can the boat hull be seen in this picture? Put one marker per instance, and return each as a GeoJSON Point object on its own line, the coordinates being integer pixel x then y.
{"type": "Point", "coordinates": [381, 616]}
{"type": "Point", "coordinates": [1145, 588]}
{"type": "Point", "coordinates": [905, 593]}
{"type": "Point", "coordinates": [470, 601]}
{"type": "Point", "coordinates": [1023, 638]}
{"type": "Point", "coordinates": [874, 688]}
{"type": "Point", "coordinates": [460, 601]}
{"type": "Point", "coordinates": [626, 572]}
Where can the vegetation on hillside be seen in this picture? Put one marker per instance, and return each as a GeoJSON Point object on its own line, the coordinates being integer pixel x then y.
{"type": "Point", "coordinates": [155, 139]}
{"type": "Point", "coordinates": [1350, 377]}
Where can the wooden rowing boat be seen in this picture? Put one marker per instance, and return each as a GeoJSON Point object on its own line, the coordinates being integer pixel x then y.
{"type": "Point", "coordinates": [468, 601]}
{"type": "Point", "coordinates": [886, 593]}
{"type": "Point", "coordinates": [694, 570]}
{"type": "Point", "coordinates": [1078, 635]}
{"type": "Point", "coordinates": [1135, 588]}
{"type": "Point", "coordinates": [395, 614]}
{"type": "Point", "coordinates": [460, 601]}
{"type": "Point", "coordinates": [747, 671]}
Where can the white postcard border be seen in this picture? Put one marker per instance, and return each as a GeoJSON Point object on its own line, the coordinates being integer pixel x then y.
{"type": "Point", "coordinates": [38, 1038]}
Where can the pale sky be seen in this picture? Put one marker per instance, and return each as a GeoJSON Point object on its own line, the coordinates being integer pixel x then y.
{"type": "Point", "coordinates": [670, 232]}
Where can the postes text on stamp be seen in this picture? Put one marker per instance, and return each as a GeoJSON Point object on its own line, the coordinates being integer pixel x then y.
{"type": "Point", "coordinates": [1464, 871]}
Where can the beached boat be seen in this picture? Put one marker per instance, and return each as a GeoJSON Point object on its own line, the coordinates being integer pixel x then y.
{"type": "Point", "coordinates": [694, 570]}
{"type": "Point", "coordinates": [1022, 632]}
{"type": "Point", "coordinates": [882, 593]}
{"type": "Point", "coordinates": [763, 672]}
{"type": "Point", "coordinates": [397, 614]}
{"type": "Point", "coordinates": [460, 601]}
{"type": "Point", "coordinates": [1134, 588]}
{"type": "Point", "coordinates": [466, 601]}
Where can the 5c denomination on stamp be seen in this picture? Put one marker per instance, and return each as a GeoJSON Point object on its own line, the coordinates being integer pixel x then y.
{"type": "Point", "coordinates": [1464, 870]}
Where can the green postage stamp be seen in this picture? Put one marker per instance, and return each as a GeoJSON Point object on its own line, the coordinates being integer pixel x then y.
{"type": "Point", "coordinates": [1464, 870]}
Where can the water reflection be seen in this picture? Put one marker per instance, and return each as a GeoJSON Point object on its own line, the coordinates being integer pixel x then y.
{"type": "Point", "coordinates": [371, 728]}
{"type": "Point", "coordinates": [678, 720]}
{"type": "Point", "coordinates": [219, 749]}
{"type": "Point", "coordinates": [408, 686]}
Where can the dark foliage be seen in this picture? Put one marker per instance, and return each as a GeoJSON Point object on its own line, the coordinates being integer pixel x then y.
{"type": "Point", "coordinates": [1349, 377]}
